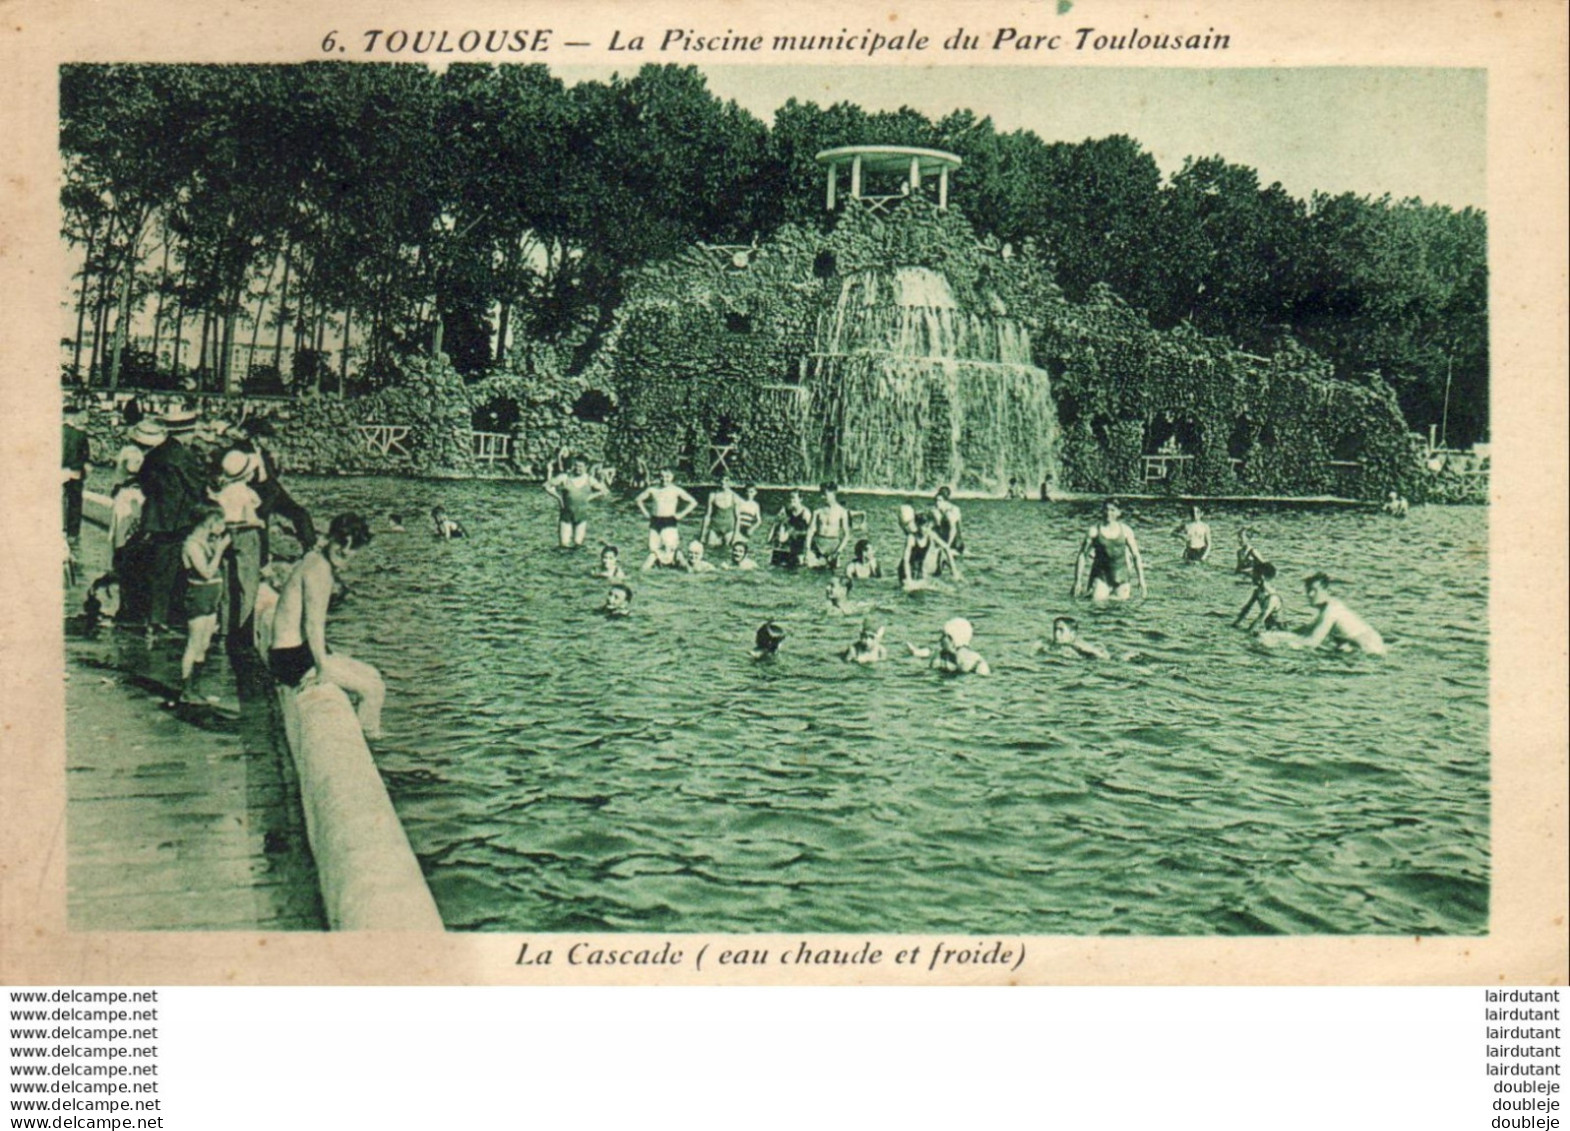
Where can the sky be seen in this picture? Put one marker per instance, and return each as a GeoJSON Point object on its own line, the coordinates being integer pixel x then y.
{"type": "Point", "coordinates": [1409, 132]}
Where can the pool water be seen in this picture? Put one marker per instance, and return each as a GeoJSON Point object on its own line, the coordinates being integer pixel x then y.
{"type": "Point", "coordinates": [558, 771]}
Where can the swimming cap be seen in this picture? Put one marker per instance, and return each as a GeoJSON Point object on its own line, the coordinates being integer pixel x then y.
{"type": "Point", "coordinates": [959, 631]}
{"type": "Point", "coordinates": [907, 514]}
{"type": "Point", "coordinates": [696, 549]}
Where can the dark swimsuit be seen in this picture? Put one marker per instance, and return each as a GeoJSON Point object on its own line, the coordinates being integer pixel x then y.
{"type": "Point", "coordinates": [290, 665]}
{"type": "Point", "coordinates": [1109, 564]}
{"type": "Point", "coordinates": [574, 503]}
{"type": "Point", "coordinates": [662, 522]}
{"type": "Point", "coordinates": [202, 596]}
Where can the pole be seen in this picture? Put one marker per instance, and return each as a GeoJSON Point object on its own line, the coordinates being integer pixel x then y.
{"type": "Point", "coordinates": [1444, 417]}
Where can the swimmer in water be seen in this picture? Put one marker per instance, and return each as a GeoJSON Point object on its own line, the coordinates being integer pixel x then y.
{"type": "Point", "coordinates": [863, 563]}
{"type": "Point", "coordinates": [574, 489]}
{"type": "Point", "coordinates": [767, 641]}
{"type": "Point", "coordinates": [1396, 506]}
{"type": "Point", "coordinates": [830, 530]}
{"type": "Point", "coordinates": [610, 565]}
{"type": "Point", "coordinates": [838, 593]}
{"type": "Point", "coordinates": [671, 504]}
{"type": "Point", "coordinates": [696, 561]}
{"type": "Point", "coordinates": [740, 556]}
{"type": "Point", "coordinates": [1196, 532]}
{"type": "Point", "coordinates": [1265, 599]}
{"type": "Point", "coordinates": [954, 653]}
{"type": "Point", "coordinates": [867, 648]}
{"type": "Point", "coordinates": [1113, 554]}
{"type": "Point", "coordinates": [447, 528]}
{"type": "Point", "coordinates": [722, 518]}
{"type": "Point", "coordinates": [1335, 623]}
{"type": "Point", "coordinates": [1066, 638]}
{"type": "Point", "coordinates": [618, 602]}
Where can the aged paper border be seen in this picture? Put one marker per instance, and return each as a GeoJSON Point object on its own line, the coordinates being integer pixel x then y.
{"type": "Point", "coordinates": [1521, 43]}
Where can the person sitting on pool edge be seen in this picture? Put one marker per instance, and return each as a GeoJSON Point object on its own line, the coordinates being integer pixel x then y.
{"type": "Point", "coordinates": [299, 656]}
{"type": "Point", "coordinates": [1334, 623]}
{"type": "Point", "coordinates": [954, 653]}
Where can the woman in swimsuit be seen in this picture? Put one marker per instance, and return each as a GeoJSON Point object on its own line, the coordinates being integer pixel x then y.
{"type": "Point", "coordinates": [749, 512]}
{"type": "Point", "coordinates": [722, 519]}
{"type": "Point", "coordinates": [1111, 549]}
{"type": "Point", "coordinates": [789, 536]}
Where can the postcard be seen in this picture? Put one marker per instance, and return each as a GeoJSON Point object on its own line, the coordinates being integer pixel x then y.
{"type": "Point", "coordinates": [947, 493]}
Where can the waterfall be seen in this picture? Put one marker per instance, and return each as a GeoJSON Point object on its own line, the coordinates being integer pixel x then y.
{"type": "Point", "coordinates": [906, 389]}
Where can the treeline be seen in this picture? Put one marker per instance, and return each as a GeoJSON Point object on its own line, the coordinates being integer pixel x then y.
{"type": "Point", "coordinates": [284, 213]}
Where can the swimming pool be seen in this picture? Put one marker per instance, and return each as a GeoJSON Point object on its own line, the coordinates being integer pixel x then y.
{"type": "Point", "coordinates": [557, 771]}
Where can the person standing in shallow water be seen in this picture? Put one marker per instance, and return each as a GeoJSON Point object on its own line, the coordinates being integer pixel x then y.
{"type": "Point", "coordinates": [671, 504]}
{"type": "Point", "coordinates": [1112, 553]}
{"type": "Point", "coordinates": [299, 656]}
{"type": "Point", "coordinates": [1196, 534]}
{"type": "Point", "coordinates": [574, 489]}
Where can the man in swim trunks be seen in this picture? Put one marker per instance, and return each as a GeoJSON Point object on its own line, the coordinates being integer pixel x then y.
{"type": "Point", "coordinates": [1111, 549]}
{"type": "Point", "coordinates": [573, 491]}
{"type": "Point", "coordinates": [299, 656]}
{"type": "Point", "coordinates": [1335, 622]}
{"type": "Point", "coordinates": [722, 518]}
{"type": "Point", "coordinates": [671, 504]}
{"type": "Point", "coordinates": [830, 529]}
{"type": "Point", "coordinates": [1197, 533]}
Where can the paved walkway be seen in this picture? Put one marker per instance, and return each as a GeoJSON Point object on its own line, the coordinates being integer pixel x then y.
{"type": "Point", "coordinates": [184, 820]}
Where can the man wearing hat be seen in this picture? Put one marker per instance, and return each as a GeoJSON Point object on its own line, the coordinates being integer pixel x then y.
{"type": "Point", "coordinates": [175, 491]}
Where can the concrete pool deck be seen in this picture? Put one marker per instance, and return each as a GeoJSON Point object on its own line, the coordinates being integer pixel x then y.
{"type": "Point", "coordinates": [175, 821]}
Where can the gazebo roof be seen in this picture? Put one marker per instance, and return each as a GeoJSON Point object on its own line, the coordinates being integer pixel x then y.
{"type": "Point", "coordinates": [891, 158]}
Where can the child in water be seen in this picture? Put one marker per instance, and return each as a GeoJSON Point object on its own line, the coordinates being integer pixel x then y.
{"type": "Point", "coordinates": [1265, 598]}
{"type": "Point", "coordinates": [867, 648]}
{"type": "Point", "coordinates": [838, 593]}
{"type": "Point", "coordinates": [610, 565]}
{"type": "Point", "coordinates": [1247, 556]}
{"type": "Point", "coordinates": [954, 653]}
{"type": "Point", "coordinates": [767, 641]}
{"type": "Point", "coordinates": [618, 602]}
{"type": "Point", "coordinates": [447, 528]}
